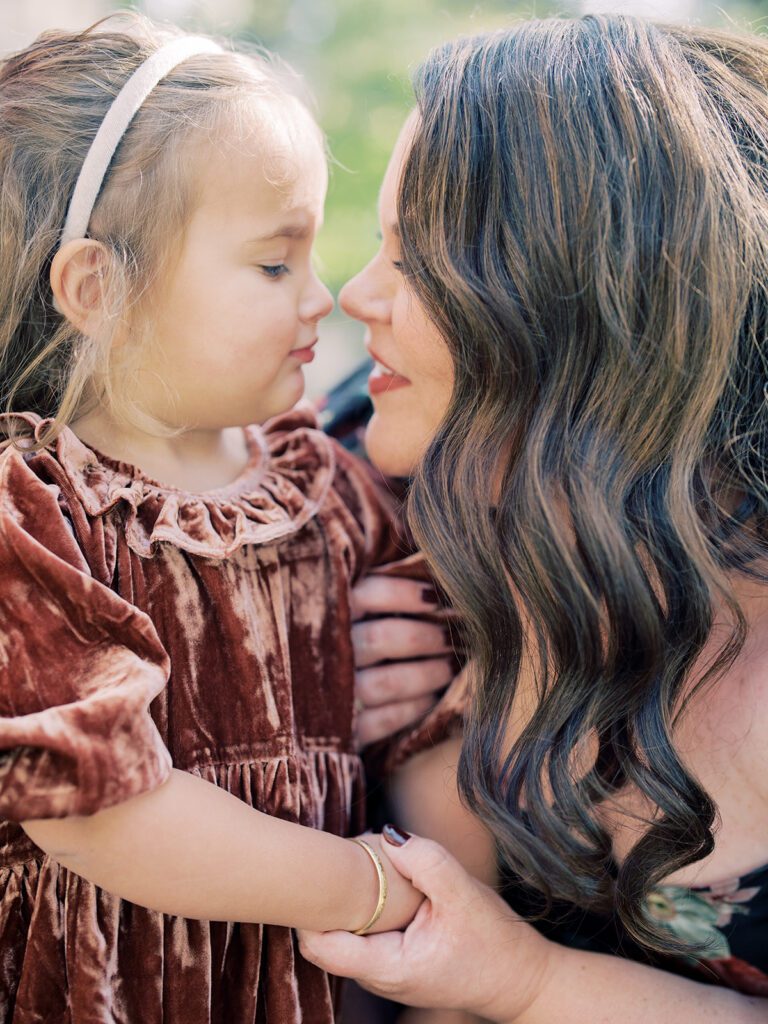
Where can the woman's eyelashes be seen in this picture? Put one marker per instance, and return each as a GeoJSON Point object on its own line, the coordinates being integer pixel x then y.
{"type": "Point", "coordinates": [384, 244]}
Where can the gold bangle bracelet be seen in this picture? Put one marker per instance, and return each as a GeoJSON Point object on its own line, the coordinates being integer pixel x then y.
{"type": "Point", "coordinates": [382, 886]}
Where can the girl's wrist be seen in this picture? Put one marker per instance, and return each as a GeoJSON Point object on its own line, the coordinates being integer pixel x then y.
{"type": "Point", "coordinates": [364, 890]}
{"type": "Point", "coordinates": [382, 886]}
{"type": "Point", "coordinates": [402, 900]}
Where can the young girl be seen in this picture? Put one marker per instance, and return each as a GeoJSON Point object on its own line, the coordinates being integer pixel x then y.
{"type": "Point", "coordinates": [176, 671]}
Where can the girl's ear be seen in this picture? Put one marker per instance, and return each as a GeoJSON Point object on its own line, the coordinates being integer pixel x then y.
{"type": "Point", "coordinates": [77, 280]}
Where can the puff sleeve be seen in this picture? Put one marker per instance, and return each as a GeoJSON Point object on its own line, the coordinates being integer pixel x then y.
{"type": "Point", "coordinates": [79, 667]}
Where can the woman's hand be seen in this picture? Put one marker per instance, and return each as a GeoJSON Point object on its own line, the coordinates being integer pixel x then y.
{"type": "Point", "coordinates": [465, 949]}
{"type": "Point", "coordinates": [402, 663]}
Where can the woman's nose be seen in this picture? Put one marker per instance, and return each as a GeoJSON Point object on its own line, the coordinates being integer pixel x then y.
{"type": "Point", "coordinates": [361, 299]}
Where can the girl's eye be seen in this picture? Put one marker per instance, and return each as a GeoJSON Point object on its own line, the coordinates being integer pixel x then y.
{"type": "Point", "coordinates": [274, 270]}
{"type": "Point", "coordinates": [397, 265]}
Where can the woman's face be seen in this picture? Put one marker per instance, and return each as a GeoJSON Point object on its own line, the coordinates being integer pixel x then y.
{"type": "Point", "coordinates": [412, 383]}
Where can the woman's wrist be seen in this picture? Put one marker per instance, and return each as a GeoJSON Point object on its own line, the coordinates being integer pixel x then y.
{"type": "Point", "coordinates": [516, 1003]}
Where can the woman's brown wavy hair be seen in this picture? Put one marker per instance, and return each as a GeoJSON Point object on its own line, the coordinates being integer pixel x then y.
{"type": "Point", "coordinates": [584, 216]}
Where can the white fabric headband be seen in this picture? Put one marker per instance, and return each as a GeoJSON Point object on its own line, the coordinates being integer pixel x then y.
{"type": "Point", "coordinates": [116, 122]}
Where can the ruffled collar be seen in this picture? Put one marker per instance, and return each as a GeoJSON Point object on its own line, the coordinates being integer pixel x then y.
{"type": "Point", "coordinates": [289, 471]}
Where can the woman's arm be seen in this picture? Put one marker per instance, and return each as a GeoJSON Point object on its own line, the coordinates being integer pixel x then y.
{"type": "Point", "coordinates": [190, 849]}
{"type": "Point", "coordinates": [591, 988]}
{"type": "Point", "coordinates": [424, 794]}
{"type": "Point", "coordinates": [466, 948]}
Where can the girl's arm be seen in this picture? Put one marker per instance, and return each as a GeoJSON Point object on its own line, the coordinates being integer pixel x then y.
{"type": "Point", "coordinates": [190, 849]}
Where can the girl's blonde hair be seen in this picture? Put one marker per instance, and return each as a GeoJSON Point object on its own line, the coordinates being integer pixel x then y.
{"type": "Point", "coordinates": [53, 97]}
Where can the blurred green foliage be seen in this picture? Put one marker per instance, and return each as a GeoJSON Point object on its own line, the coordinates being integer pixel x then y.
{"type": "Point", "coordinates": [358, 58]}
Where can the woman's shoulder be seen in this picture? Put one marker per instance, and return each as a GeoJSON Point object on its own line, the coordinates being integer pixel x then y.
{"type": "Point", "coordinates": [729, 714]}
{"type": "Point", "coordinates": [720, 736]}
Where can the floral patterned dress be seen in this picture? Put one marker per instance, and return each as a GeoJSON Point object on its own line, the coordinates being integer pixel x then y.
{"type": "Point", "coordinates": [728, 921]}
{"type": "Point", "coordinates": [727, 924]}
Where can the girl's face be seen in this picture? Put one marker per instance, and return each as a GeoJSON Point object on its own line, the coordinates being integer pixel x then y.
{"type": "Point", "coordinates": [236, 318]}
{"type": "Point", "coordinates": [412, 384]}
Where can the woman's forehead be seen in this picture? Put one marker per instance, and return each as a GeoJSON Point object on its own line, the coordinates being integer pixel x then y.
{"type": "Point", "coordinates": [390, 184]}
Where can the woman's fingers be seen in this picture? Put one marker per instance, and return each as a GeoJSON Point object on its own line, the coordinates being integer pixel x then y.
{"type": "Point", "coordinates": [431, 869]}
{"type": "Point", "coordinates": [350, 956]}
{"type": "Point", "coordinates": [397, 639]}
{"type": "Point", "coordinates": [465, 948]}
{"type": "Point", "coordinates": [402, 681]}
{"type": "Point", "coordinates": [432, 961]}
{"type": "Point", "coordinates": [389, 595]}
{"type": "Point", "coordinates": [373, 724]}
{"type": "Point", "coordinates": [402, 663]}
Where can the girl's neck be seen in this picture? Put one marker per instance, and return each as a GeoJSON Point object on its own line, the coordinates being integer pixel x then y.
{"type": "Point", "coordinates": [195, 460]}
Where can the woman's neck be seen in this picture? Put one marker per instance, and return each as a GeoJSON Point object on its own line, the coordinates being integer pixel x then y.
{"type": "Point", "coordinates": [195, 460]}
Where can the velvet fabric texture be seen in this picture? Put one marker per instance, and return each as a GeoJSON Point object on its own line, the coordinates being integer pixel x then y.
{"type": "Point", "coordinates": [143, 627]}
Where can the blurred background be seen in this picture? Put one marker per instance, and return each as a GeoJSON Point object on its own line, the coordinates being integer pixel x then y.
{"type": "Point", "coordinates": [357, 58]}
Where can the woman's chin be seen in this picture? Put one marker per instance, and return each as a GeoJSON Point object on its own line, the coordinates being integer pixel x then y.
{"type": "Point", "coordinates": [389, 450]}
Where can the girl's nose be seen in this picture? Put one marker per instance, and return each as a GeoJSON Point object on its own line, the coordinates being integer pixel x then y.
{"type": "Point", "coordinates": [320, 302]}
{"type": "Point", "coordinates": [349, 298]}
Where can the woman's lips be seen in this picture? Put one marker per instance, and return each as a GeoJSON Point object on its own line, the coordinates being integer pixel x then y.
{"type": "Point", "coordinates": [384, 379]}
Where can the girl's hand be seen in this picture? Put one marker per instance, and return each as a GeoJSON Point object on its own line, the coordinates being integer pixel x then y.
{"type": "Point", "coordinates": [465, 949]}
{"type": "Point", "coordinates": [401, 663]}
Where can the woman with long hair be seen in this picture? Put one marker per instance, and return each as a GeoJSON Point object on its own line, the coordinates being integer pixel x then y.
{"type": "Point", "coordinates": [569, 314]}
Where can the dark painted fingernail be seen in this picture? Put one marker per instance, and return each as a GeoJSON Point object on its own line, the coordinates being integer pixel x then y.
{"type": "Point", "coordinates": [429, 596]}
{"type": "Point", "coordinates": [448, 635]}
{"type": "Point", "coordinates": [395, 836]}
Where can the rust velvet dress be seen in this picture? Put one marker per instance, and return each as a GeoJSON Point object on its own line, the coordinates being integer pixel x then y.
{"type": "Point", "coordinates": [142, 628]}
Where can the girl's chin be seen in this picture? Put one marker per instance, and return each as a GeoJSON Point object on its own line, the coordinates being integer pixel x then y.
{"type": "Point", "coordinates": [392, 452]}
{"type": "Point", "coordinates": [282, 399]}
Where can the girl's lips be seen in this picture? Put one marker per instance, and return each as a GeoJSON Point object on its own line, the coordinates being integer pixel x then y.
{"type": "Point", "coordinates": [304, 355]}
